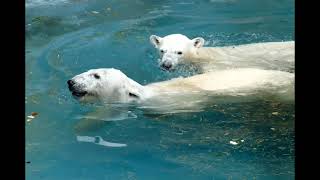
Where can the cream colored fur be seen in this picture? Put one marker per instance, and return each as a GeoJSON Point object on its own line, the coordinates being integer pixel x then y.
{"type": "Point", "coordinates": [190, 93]}
{"type": "Point", "coordinates": [265, 55]}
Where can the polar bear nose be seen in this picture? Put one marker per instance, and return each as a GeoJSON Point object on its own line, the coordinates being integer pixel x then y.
{"type": "Point", "coordinates": [70, 82]}
{"type": "Point", "coordinates": [166, 66]}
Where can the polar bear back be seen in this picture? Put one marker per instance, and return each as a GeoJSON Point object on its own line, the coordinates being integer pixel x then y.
{"type": "Point", "coordinates": [241, 79]}
{"type": "Point", "coordinates": [269, 55]}
{"type": "Point", "coordinates": [226, 81]}
{"type": "Point", "coordinates": [281, 51]}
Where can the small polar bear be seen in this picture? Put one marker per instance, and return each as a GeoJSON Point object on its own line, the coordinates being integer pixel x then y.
{"type": "Point", "coordinates": [111, 86]}
{"type": "Point", "coordinates": [176, 49]}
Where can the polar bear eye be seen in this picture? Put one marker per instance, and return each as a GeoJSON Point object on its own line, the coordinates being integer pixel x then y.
{"type": "Point", "coordinates": [162, 51]}
{"type": "Point", "coordinates": [96, 76]}
{"type": "Point", "coordinates": [179, 52]}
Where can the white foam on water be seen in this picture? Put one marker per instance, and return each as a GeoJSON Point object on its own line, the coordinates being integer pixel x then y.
{"type": "Point", "coordinates": [36, 3]}
{"type": "Point", "coordinates": [99, 141]}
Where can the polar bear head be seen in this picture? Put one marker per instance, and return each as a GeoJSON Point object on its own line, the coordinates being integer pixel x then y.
{"type": "Point", "coordinates": [174, 48]}
{"type": "Point", "coordinates": [107, 85]}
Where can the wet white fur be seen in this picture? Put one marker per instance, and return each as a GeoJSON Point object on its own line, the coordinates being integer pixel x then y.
{"type": "Point", "coordinates": [214, 87]}
{"type": "Point", "coordinates": [267, 55]}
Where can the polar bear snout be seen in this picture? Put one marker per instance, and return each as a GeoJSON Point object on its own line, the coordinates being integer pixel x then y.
{"type": "Point", "coordinates": [76, 90]}
{"type": "Point", "coordinates": [168, 61]}
{"type": "Point", "coordinates": [70, 82]}
{"type": "Point", "coordinates": [166, 66]}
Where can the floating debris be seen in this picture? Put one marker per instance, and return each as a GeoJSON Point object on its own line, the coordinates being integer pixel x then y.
{"type": "Point", "coordinates": [32, 116]}
{"type": "Point", "coordinates": [98, 140]}
{"type": "Point", "coordinates": [233, 143]}
{"type": "Point", "coordinates": [95, 12]}
{"type": "Point", "coordinates": [236, 141]}
{"type": "Point", "coordinates": [272, 129]}
{"type": "Point", "coordinates": [275, 113]}
{"type": "Point", "coordinates": [258, 141]}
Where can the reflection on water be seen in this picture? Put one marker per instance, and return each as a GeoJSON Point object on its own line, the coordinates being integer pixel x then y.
{"type": "Point", "coordinates": [99, 141]}
{"type": "Point", "coordinates": [64, 38]}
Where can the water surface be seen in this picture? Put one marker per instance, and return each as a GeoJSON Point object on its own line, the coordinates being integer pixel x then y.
{"type": "Point", "coordinates": [67, 37]}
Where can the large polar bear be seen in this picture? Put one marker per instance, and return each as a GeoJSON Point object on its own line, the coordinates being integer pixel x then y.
{"type": "Point", "coordinates": [111, 86]}
{"type": "Point", "coordinates": [178, 49]}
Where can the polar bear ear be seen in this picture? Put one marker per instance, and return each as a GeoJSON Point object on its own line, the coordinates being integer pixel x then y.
{"type": "Point", "coordinates": [155, 40]}
{"type": "Point", "coordinates": [198, 42]}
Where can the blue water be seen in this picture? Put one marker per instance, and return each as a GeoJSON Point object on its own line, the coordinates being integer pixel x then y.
{"type": "Point", "coordinates": [67, 37]}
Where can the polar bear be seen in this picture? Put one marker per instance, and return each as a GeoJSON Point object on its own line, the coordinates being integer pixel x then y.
{"type": "Point", "coordinates": [178, 49]}
{"type": "Point", "coordinates": [111, 86]}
